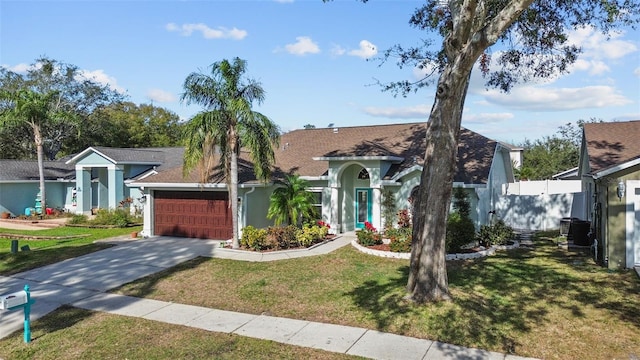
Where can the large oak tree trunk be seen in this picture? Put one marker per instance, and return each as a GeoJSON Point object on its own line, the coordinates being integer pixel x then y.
{"type": "Point", "coordinates": [428, 273]}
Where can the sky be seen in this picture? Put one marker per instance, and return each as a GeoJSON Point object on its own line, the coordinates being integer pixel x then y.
{"type": "Point", "coordinates": [318, 62]}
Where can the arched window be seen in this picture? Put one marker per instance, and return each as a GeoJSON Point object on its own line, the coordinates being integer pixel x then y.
{"type": "Point", "coordinates": [364, 174]}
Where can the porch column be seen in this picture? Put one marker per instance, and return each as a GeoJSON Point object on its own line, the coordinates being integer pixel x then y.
{"type": "Point", "coordinates": [116, 186]}
{"type": "Point", "coordinates": [376, 212]}
{"type": "Point", "coordinates": [334, 219]}
{"type": "Point", "coordinates": [83, 190]}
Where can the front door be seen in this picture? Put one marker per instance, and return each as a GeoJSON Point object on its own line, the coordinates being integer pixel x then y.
{"type": "Point", "coordinates": [363, 207]}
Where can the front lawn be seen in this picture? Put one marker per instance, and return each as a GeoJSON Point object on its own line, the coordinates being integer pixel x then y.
{"type": "Point", "coordinates": [544, 302]}
{"type": "Point", "coordinates": [71, 333]}
{"type": "Point", "coordinates": [44, 252]}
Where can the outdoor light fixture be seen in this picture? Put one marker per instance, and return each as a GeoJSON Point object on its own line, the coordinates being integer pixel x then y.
{"type": "Point", "coordinates": [621, 189]}
{"type": "Point", "coordinates": [142, 199]}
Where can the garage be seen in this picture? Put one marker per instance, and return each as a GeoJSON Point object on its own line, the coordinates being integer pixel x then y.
{"type": "Point", "coordinates": [193, 214]}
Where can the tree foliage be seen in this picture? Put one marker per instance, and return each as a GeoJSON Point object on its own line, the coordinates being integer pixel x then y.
{"type": "Point", "coordinates": [68, 90]}
{"type": "Point", "coordinates": [543, 158]}
{"type": "Point", "coordinates": [129, 125]}
{"type": "Point", "coordinates": [291, 203]}
{"type": "Point", "coordinates": [533, 43]}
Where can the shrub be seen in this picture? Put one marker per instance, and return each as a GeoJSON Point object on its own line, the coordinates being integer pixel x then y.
{"type": "Point", "coordinates": [497, 233]}
{"type": "Point", "coordinates": [116, 217]}
{"type": "Point", "coordinates": [404, 218]}
{"type": "Point", "coordinates": [388, 208]}
{"type": "Point", "coordinates": [460, 228]}
{"type": "Point", "coordinates": [460, 232]}
{"type": "Point", "coordinates": [369, 235]}
{"type": "Point", "coordinates": [78, 219]}
{"type": "Point", "coordinates": [282, 237]}
{"type": "Point", "coordinates": [311, 234]}
{"type": "Point", "coordinates": [400, 239]}
{"type": "Point", "coordinates": [254, 238]}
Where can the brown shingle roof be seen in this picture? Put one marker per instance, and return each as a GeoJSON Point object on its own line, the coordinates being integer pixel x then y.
{"type": "Point", "coordinates": [298, 148]}
{"type": "Point", "coordinates": [406, 141]}
{"type": "Point", "coordinates": [611, 144]}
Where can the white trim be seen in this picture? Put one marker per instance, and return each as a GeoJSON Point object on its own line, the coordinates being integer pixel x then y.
{"type": "Point", "coordinates": [315, 178]}
{"type": "Point", "coordinates": [632, 246]}
{"type": "Point", "coordinates": [358, 158]}
{"type": "Point", "coordinates": [406, 172]}
{"type": "Point", "coordinates": [86, 151]}
{"type": "Point", "coordinates": [616, 168]}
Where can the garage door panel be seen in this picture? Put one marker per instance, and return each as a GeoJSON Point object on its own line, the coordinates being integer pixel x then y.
{"type": "Point", "coordinates": [192, 214]}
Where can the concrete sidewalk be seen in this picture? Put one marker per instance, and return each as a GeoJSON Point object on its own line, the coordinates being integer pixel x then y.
{"type": "Point", "coordinates": [83, 281]}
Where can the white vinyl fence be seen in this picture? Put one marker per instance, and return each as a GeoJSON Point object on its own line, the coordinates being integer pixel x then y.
{"type": "Point", "coordinates": [544, 210]}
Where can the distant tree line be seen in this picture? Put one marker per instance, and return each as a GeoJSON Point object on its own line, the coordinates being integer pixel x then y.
{"type": "Point", "coordinates": [54, 104]}
{"type": "Point", "coordinates": [543, 158]}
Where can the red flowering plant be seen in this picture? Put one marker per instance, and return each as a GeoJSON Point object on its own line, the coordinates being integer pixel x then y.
{"type": "Point", "coordinates": [325, 224]}
{"type": "Point", "coordinates": [369, 235]}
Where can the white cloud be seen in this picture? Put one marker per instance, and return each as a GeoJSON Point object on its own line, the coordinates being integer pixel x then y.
{"type": "Point", "coordinates": [100, 77]}
{"type": "Point", "coordinates": [636, 72]}
{"type": "Point", "coordinates": [596, 45]}
{"type": "Point", "coordinates": [19, 68]}
{"type": "Point", "coordinates": [303, 45]}
{"type": "Point", "coordinates": [412, 112]}
{"type": "Point", "coordinates": [559, 99]}
{"type": "Point", "coordinates": [207, 32]}
{"type": "Point", "coordinates": [486, 118]}
{"type": "Point", "coordinates": [160, 96]}
{"type": "Point", "coordinates": [365, 51]}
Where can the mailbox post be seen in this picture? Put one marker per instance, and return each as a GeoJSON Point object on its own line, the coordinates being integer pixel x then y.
{"type": "Point", "coordinates": [17, 300]}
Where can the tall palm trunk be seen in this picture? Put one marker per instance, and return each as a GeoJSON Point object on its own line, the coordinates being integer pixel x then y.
{"type": "Point", "coordinates": [428, 273]}
{"type": "Point", "coordinates": [37, 134]}
{"type": "Point", "coordinates": [233, 182]}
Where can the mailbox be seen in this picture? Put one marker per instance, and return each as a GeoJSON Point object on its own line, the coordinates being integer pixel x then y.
{"type": "Point", "coordinates": [12, 300]}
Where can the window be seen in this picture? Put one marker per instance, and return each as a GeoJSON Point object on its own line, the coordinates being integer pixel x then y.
{"type": "Point", "coordinates": [363, 175]}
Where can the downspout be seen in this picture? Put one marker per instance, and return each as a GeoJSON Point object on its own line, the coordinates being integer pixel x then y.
{"type": "Point", "coordinates": [244, 206]}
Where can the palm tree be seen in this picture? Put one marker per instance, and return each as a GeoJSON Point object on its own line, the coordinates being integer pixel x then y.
{"type": "Point", "coordinates": [227, 124]}
{"type": "Point", "coordinates": [37, 110]}
{"type": "Point", "coordinates": [291, 202]}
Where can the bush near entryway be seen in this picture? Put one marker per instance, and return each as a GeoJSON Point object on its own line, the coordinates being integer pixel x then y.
{"type": "Point", "coordinates": [120, 217]}
{"type": "Point", "coordinates": [283, 237]}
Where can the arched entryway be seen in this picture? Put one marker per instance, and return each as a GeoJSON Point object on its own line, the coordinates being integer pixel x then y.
{"type": "Point", "coordinates": [357, 197]}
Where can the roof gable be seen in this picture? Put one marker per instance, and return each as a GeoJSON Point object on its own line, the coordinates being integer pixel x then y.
{"type": "Point", "coordinates": [611, 145]}
{"type": "Point", "coordinates": [402, 144]}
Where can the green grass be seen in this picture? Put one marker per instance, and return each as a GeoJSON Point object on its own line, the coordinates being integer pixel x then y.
{"type": "Point", "coordinates": [544, 302]}
{"type": "Point", "coordinates": [44, 252]}
{"type": "Point", "coordinates": [70, 333]}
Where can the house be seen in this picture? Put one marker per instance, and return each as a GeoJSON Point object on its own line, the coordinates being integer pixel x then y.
{"type": "Point", "coordinates": [94, 178]}
{"type": "Point", "coordinates": [349, 169]}
{"type": "Point", "coordinates": [610, 172]}
{"type": "Point", "coordinates": [20, 185]}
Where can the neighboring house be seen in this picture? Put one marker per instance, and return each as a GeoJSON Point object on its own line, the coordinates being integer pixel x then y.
{"type": "Point", "coordinates": [610, 172]}
{"type": "Point", "coordinates": [20, 185]}
{"type": "Point", "coordinates": [94, 178]}
{"type": "Point", "coordinates": [348, 169]}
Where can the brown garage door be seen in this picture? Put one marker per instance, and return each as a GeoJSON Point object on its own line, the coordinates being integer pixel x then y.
{"type": "Point", "coordinates": [195, 214]}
